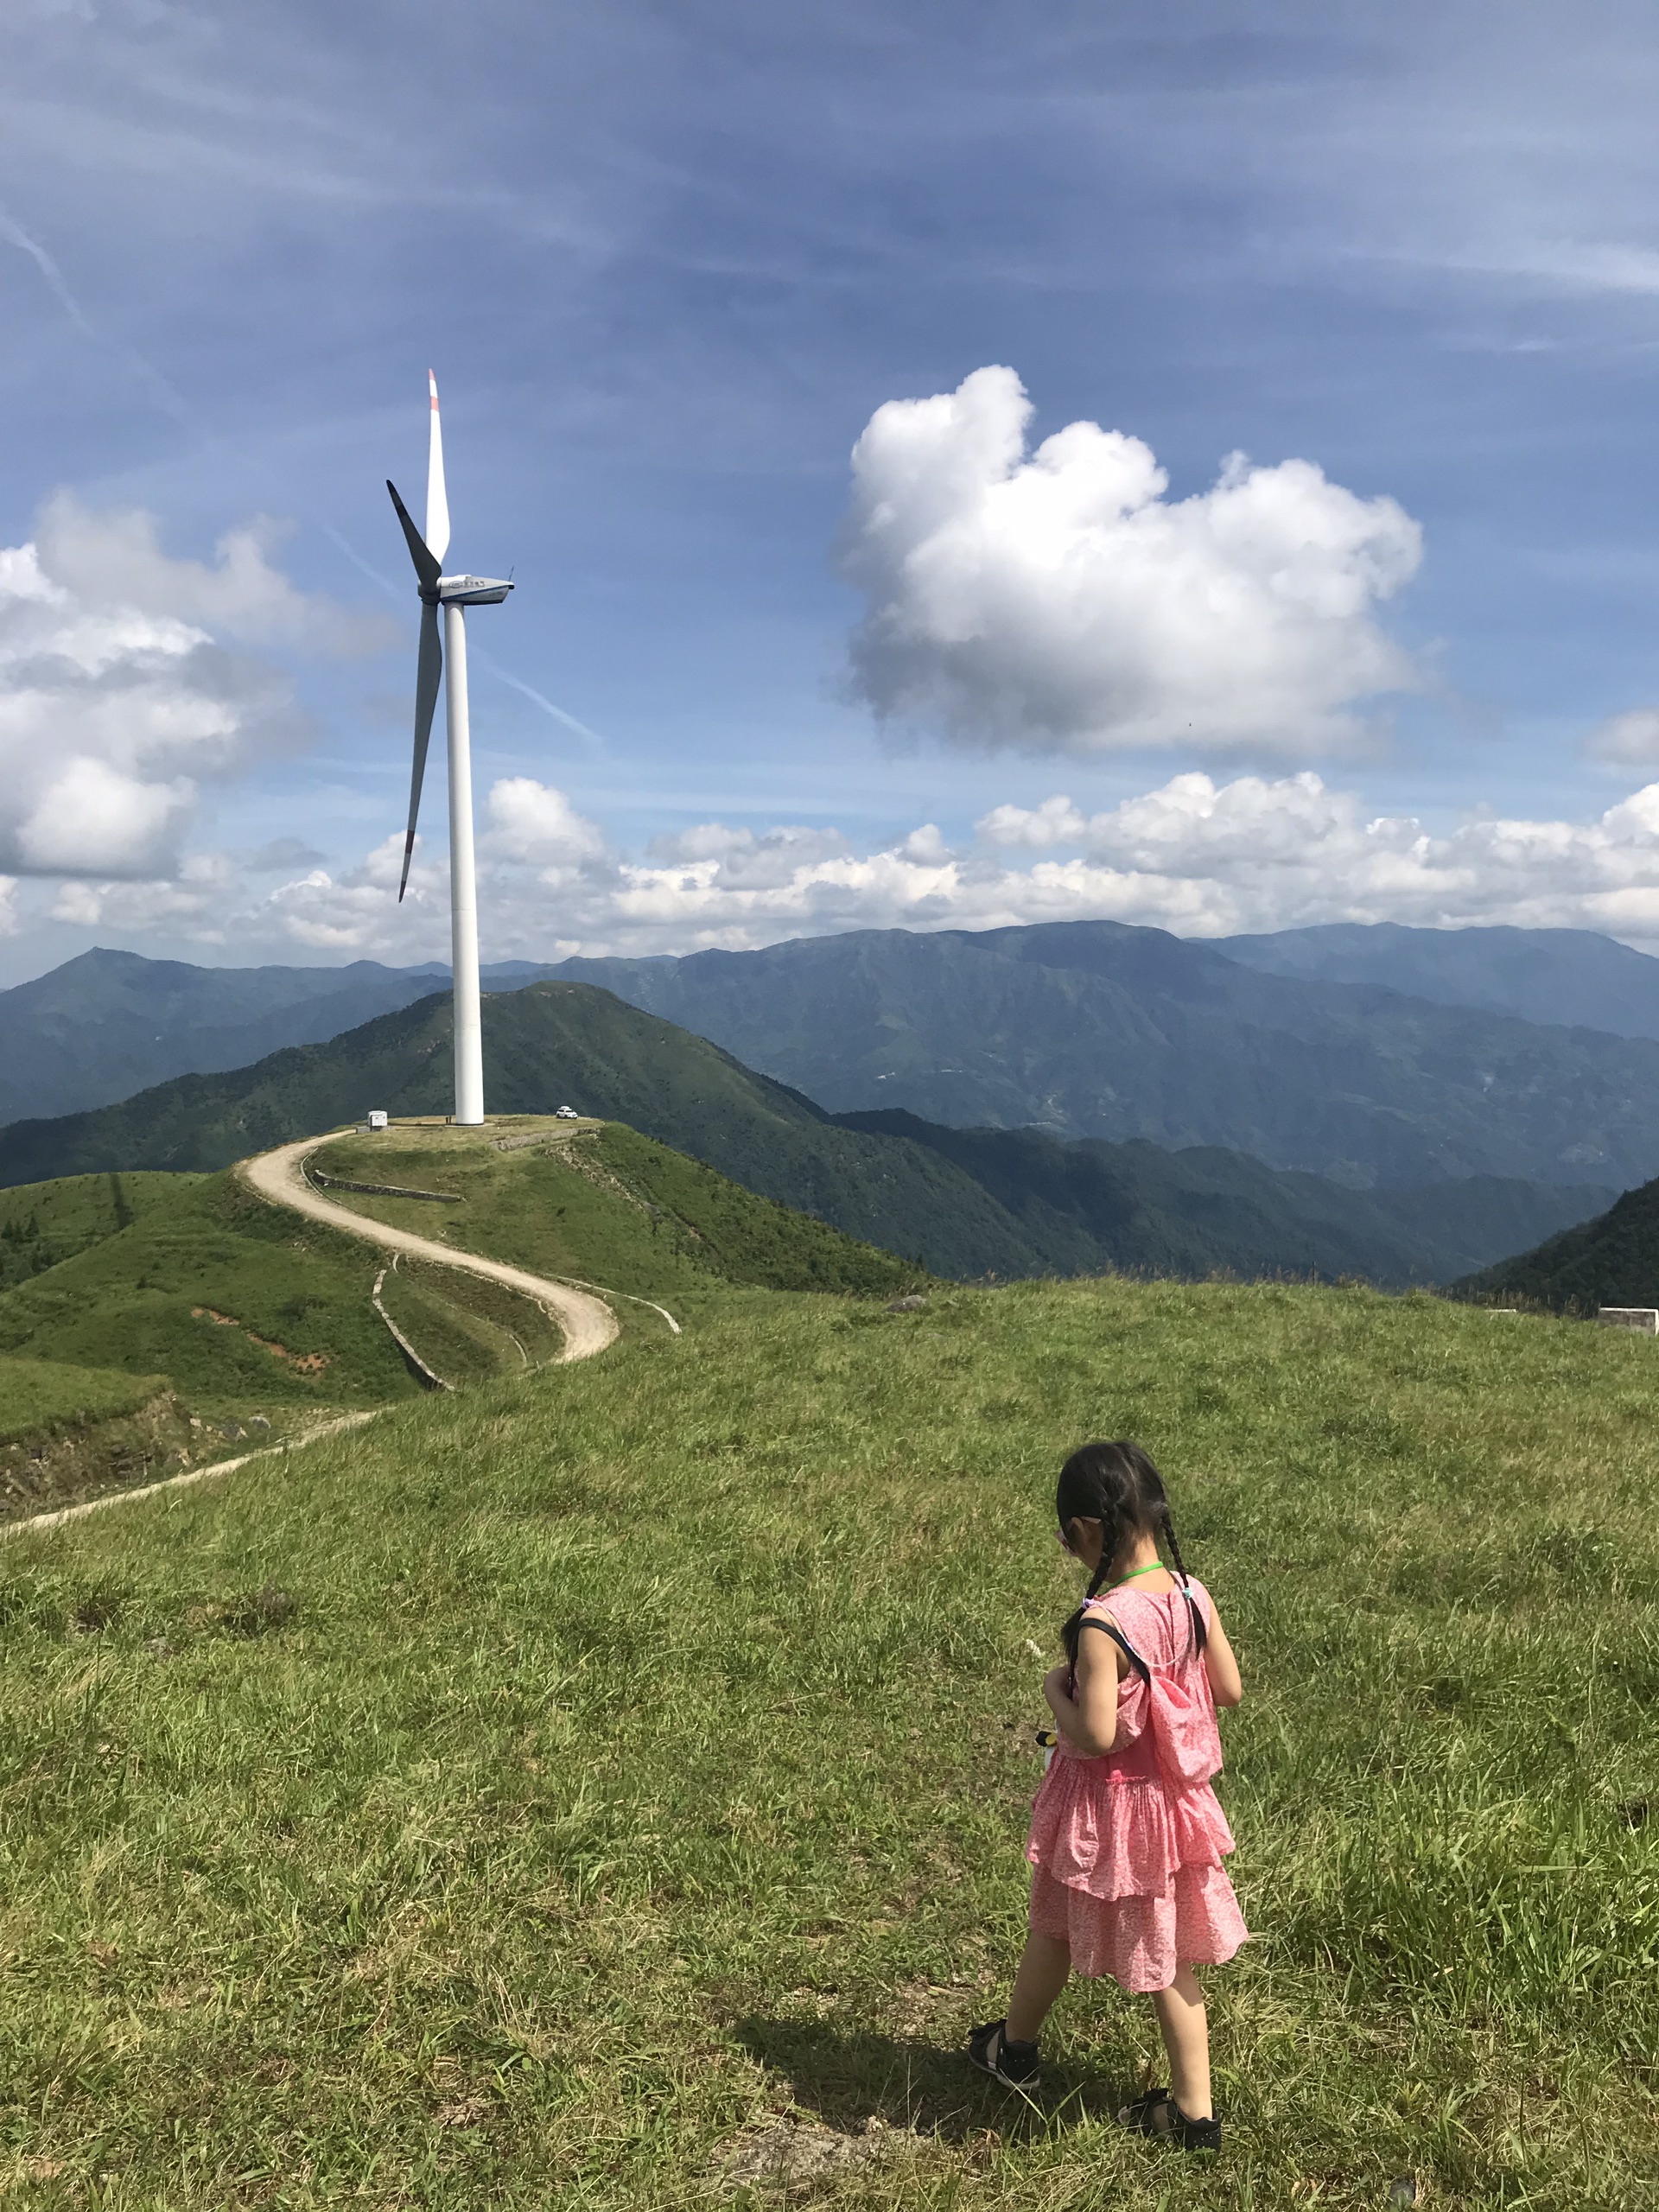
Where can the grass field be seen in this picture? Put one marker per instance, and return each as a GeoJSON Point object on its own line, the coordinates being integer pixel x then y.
{"type": "Point", "coordinates": [40, 1394]}
{"type": "Point", "coordinates": [541, 1794]}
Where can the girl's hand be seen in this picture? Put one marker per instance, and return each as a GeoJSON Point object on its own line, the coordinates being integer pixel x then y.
{"type": "Point", "coordinates": [1056, 1689]}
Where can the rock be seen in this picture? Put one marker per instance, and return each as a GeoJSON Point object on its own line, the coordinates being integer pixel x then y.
{"type": "Point", "coordinates": [912, 1303]}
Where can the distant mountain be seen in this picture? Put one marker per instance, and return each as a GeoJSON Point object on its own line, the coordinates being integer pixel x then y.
{"type": "Point", "coordinates": [1612, 1261]}
{"type": "Point", "coordinates": [1137, 1207]}
{"type": "Point", "coordinates": [1098, 1029]}
{"type": "Point", "coordinates": [968, 1202]}
{"type": "Point", "coordinates": [1571, 976]}
{"type": "Point", "coordinates": [108, 1024]}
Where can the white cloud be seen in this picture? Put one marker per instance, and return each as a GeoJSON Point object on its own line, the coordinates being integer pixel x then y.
{"type": "Point", "coordinates": [117, 696]}
{"type": "Point", "coordinates": [1056, 601]}
{"type": "Point", "coordinates": [1631, 739]}
{"type": "Point", "coordinates": [1197, 857]}
{"type": "Point", "coordinates": [10, 920]}
{"type": "Point", "coordinates": [534, 823]}
{"type": "Point", "coordinates": [116, 559]}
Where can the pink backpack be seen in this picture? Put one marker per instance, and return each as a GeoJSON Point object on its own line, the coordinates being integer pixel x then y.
{"type": "Point", "coordinates": [1180, 1710]}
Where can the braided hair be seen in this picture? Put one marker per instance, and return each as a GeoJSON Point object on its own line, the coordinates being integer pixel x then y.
{"type": "Point", "coordinates": [1117, 1484]}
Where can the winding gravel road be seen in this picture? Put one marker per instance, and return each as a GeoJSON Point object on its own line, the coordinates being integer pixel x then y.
{"type": "Point", "coordinates": [588, 1323]}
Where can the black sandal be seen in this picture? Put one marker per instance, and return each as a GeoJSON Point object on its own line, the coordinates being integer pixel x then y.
{"type": "Point", "coordinates": [1158, 2113]}
{"type": "Point", "coordinates": [1013, 2064]}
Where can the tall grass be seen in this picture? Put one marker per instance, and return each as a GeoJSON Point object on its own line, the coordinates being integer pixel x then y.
{"type": "Point", "coordinates": [524, 1801]}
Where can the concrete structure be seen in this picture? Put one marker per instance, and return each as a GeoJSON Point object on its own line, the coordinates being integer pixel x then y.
{"type": "Point", "coordinates": [1644, 1318]}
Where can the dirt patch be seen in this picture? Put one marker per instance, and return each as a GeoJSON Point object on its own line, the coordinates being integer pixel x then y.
{"type": "Point", "coordinates": [303, 1362]}
{"type": "Point", "coordinates": [791, 2156]}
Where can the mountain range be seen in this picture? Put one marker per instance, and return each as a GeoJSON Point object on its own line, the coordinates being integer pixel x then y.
{"type": "Point", "coordinates": [108, 1024]}
{"type": "Point", "coordinates": [1573, 978]}
{"type": "Point", "coordinates": [966, 1203]}
{"type": "Point", "coordinates": [1097, 1029]}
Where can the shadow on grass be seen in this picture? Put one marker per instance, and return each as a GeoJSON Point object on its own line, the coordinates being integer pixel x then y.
{"type": "Point", "coordinates": [846, 2077]}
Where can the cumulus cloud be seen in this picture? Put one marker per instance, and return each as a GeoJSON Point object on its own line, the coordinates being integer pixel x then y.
{"type": "Point", "coordinates": [1058, 600]}
{"type": "Point", "coordinates": [1196, 856]}
{"type": "Point", "coordinates": [122, 688]}
{"type": "Point", "coordinates": [1630, 740]}
{"type": "Point", "coordinates": [115, 559]}
{"type": "Point", "coordinates": [534, 823]}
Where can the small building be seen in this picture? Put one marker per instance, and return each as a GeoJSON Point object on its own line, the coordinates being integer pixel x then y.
{"type": "Point", "coordinates": [377, 1117]}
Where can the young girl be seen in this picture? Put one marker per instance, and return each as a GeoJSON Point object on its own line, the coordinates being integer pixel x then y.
{"type": "Point", "coordinates": [1127, 1838]}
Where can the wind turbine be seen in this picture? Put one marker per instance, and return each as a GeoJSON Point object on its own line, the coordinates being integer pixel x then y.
{"type": "Point", "coordinates": [453, 594]}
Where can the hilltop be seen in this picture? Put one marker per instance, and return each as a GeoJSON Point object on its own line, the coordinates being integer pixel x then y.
{"type": "Point", "coordinates": [568, 1793]}
{"type": "Point", "coordinates": [1008, 1203]}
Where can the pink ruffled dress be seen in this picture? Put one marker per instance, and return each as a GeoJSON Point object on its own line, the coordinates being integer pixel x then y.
{"type": "Point", "coordinates": [1126, 1850]}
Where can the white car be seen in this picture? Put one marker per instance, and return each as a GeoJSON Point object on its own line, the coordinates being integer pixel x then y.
{"type": "Point", "coordinates": [567, 1114]}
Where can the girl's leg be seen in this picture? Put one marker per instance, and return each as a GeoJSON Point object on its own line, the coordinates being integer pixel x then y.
{"type": "Point", "coordinates": [1042, 1976]}
{"type": "Point", "coordinates": [1187, 2038]}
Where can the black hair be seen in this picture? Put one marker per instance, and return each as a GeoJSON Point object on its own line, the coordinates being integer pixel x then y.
{"type": "Point", "coordinates": [1117, 1484]}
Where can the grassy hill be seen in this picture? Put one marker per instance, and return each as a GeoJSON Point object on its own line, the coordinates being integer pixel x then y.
{"type": "Point", "coordinates": [553, 1796]}
{"type": "Point", "coordinates": [986, 1202]}
{"type": "Point", "coordinates": [44, 1222]}
{"type": "Point", "coordinates": [596, 1199]}
{"type": "Point", "coordinates": [260, 1322]}
{"type": "Point", "coordinates": [1612, 1261]}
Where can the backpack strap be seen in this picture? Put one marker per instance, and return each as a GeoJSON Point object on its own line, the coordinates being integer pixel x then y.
{"type": "Point", "coordinates": [1195, 1614]}
{"type": "Point", "coordinates": [1111, 1628]}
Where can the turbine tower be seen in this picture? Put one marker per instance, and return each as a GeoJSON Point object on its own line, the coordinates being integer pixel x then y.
{"type": "Point", "coordinates": [453, 594]}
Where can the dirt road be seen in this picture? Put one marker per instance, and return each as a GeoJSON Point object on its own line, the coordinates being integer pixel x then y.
{"type": "Point", "coordinates": [589, 1324]}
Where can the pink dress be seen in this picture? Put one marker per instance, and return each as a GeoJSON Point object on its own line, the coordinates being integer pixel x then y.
{"type": "Point", "coordinates": [1126, 1850]}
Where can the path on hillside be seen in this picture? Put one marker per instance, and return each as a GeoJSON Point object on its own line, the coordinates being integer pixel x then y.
{"type": "Point", "coordinates": [588, 1322]}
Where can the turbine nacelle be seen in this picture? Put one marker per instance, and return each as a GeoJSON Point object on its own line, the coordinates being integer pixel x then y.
{"type": "Point", "coordinates": [473, 591]}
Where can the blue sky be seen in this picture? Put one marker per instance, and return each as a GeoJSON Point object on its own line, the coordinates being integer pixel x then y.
{"type": "Point", "coordinates": [668, 262]}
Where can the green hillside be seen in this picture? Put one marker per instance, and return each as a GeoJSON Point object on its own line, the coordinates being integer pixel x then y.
{"type": "Point", "coordinates": [1612, 1261]}
{"type": "Point", "coordinates": [553, 1044]}
{"type": "Point", "coordinates": [558, 1796]}
{"type": "Point", "coordinates": [42, 1223]}
{"type": "Point", "coordinates": [597, 1200]}
{"type": "Point", "coordinates": [969, 1204]}
{"type": "Point", "coordinates": [244, 1308]}
{"type": "Point", "coordinates": [260, 1322]}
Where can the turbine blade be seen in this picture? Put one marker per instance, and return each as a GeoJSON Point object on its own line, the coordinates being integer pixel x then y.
{"type": "Point", "coordinates": [437, 500]}
{"type": "Point", "coordinates": [429, 671]}
{"type": "Point", "coordinates": [428, 569]}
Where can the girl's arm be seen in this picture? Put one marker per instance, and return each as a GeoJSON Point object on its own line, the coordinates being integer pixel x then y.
{"type": "Point", "coordinates": [1219, 1663]}
{"type": "Point", "coordinates": [1089, 1721]}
